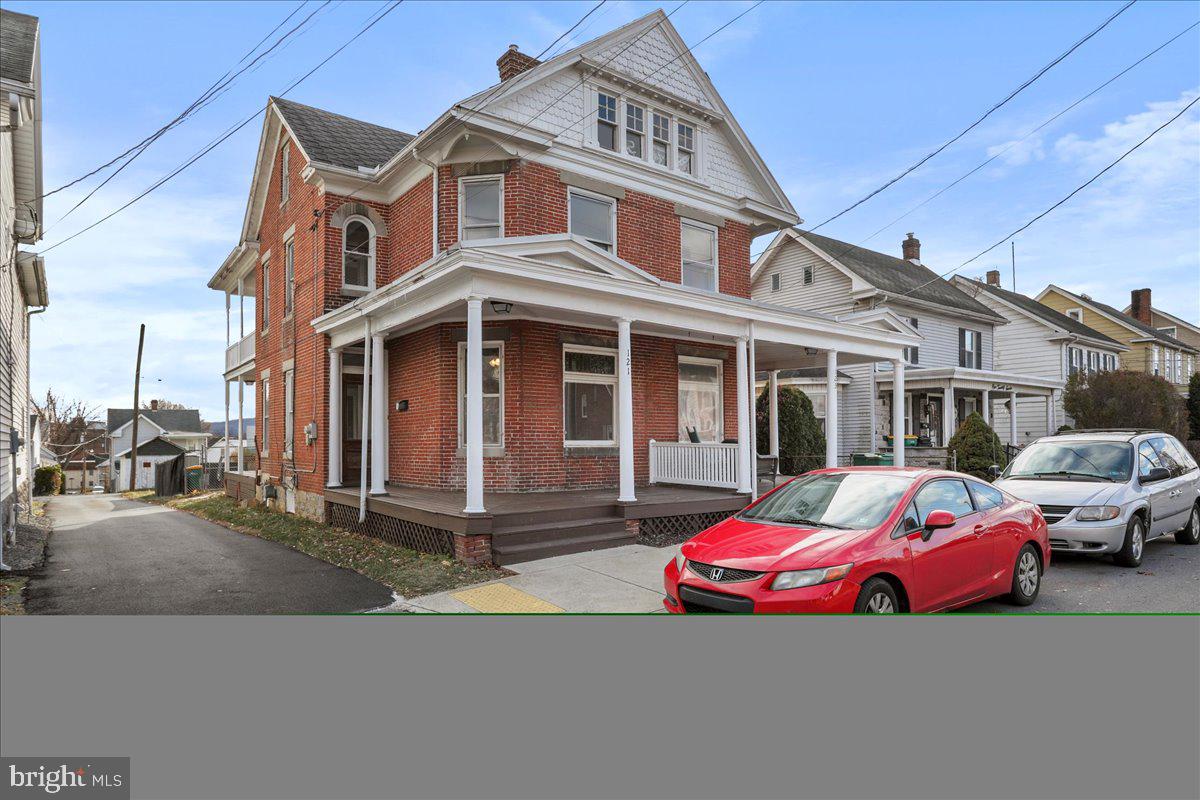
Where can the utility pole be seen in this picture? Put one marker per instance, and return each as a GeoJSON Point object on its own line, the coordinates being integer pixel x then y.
{"type": "Point", "coordinates": [137, 382]}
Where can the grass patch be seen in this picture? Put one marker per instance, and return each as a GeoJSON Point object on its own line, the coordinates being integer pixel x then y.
{"type": "Point", "coordinates": [12, 600]}
{"type": "Point", "coordinates": [408, 572]}
{"type": "Point", "coordinates": [148, 496]}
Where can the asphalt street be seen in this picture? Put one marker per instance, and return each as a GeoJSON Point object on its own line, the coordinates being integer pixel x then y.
{"type": "Point", "coordinates": [109, 555]}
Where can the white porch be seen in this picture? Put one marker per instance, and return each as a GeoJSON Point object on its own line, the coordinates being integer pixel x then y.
{"type": "Point", "coordinates": [236, 279]}
{"type": "Point", "coordinates": [570, 282]}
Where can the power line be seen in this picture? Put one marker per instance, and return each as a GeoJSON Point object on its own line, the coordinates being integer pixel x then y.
{"type": "Point", "coordinates": [1013, 144]}
{"type": "Point", "coordinates": [986, 114]}
{"type": "Point", "coordinates": [208, 148]}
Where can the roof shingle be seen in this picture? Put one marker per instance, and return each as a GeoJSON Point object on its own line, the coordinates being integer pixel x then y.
{"type": "Point", "coordinates": [18, 43]}
{"type": "Point", "coordinates": [1148, 330]}
{"type": "Point", "coordinates": [184, 420]}
{"type": "Point", "coordinates": [331, 138]}
{"type": "Point", "coordinates": [1055, 318]}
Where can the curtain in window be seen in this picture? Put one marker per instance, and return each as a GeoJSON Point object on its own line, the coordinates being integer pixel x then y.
{"type": "Point", "coordinates": [700, 397]}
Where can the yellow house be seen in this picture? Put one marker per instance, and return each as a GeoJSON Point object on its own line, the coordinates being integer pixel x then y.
{"type": "Point", "coordinates": [1150, 349]}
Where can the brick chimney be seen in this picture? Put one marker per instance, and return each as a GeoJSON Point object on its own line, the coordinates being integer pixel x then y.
{"type": "Point", "coordinates": [154, 405]}
{"type": "Point", "coordinates": [993, 277]}
{"type": "Point", "coordinates": [912, 248]}
{"type": "Point", "coordinates": [514, 62]}
{"type": "Point", "coordinates": [1139, 305]}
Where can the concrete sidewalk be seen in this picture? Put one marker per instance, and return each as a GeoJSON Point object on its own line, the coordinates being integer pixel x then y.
{"type": "Point", "coordinates": [622, 579]}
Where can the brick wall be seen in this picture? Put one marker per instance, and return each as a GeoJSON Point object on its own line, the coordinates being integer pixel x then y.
{"type": "Point", "coordinates": [423, 441]}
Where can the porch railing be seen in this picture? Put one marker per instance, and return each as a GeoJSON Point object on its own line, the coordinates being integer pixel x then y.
{"type": "Point", "coordinates": [239, 352]}
{"type": "Point", "coordinates": [705, 464]}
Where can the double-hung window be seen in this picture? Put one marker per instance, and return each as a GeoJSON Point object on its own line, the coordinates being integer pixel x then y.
{"type": "Point", "coordinates": [493, 394]}
{"type": "Point", "coordinates": [593, 217]}
{"type": "Point", "coordinates": [685, 146]}
{"type": "Point", "coordinates": [776, 281]}
{"type": "Point", "coordinates": [266, 294]}
{"type": "Point", "coordinates": [1178, 367]}
{"type": "Point", "coordinates": [1154, 359]}
{"type": "Point", "coordinates": [589, 396]}
{"type": "Point", "coordinates": [289, 276]}
{"type": "Point", "coordinates": [970, 349]}
{"type": "Point", "coordinates": [481, 208]}
{"type": "Point", "coordinates": [662, 140]}
{"type": "Point", "coordinates": [266, 415]}
{"type": "Point", "coordinates": [1093, 361]}
{"type": "Point", "coordinates": [289, 408]}
{"type": "Point", "coordinates": [698, 245]}
{"type": "Point", "coordinates": [635, 130]}
{"type": "Point", "coordinates": [912, 355]}
{"type": "Point", "coordinates": [358, 255]}
{"type": "Point", "coordinates": [606, 120]}
{"type": "Point", "coordinates": [701, 399]}
{"type": "Point", "coordinates": [807, 275]}
{"type": "Point", "coordinates": [1074, 360]}
{"type": "Point", "coordinates": [285, 178]}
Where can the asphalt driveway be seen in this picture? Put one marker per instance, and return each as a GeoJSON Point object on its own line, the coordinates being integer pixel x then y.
{"type": "Point", "coordinates": [109, 555]}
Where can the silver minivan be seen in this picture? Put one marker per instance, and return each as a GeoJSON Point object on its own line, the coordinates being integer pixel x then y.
{"type": "Point", "coordinates": [1109, 491]}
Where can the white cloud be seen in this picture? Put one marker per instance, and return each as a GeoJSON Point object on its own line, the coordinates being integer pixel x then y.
{"type": "Point", "coordinates": [1018, 152]}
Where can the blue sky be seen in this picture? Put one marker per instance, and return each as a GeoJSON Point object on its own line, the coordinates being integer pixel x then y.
{"type": "Point", "coordinates": [837, 97]}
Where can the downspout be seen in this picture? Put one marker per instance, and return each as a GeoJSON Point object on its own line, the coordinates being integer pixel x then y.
{"type": "Point", "coordinates": [432, 166]}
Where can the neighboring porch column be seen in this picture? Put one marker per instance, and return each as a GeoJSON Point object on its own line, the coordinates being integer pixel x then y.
{"type": "Point", "coordinates": [752, 410]}
{"type": "Point", "coordinates": [1050, 413]}
{"type": "Point", "coordinates": [225, 456]}
{"type": "Point", "coordinates": [366, 423]}
{"type": "Point", "coordinates": [831, 409]}
{"type": "Point", "coordinates": [872, 421]}
{"type": "Point", "coordinates": [241, 317]}
{"type": "Point", "coordinates": [625, 411]}
{"type": "Point", "coordinates": [898, 413]}
{"type": "Point", "coordinates": [474, 405]}
{"type": "Point", "coordinates": [743, 419]}
{"type": "Point", "coordinates": [333, 470]}
{"type": "Point", "coordinates": [773, 411]}
{"type": "Point", "coordinates": [241, 416]}
{"type": "Point", "coordinates": [379, 399]}
{"type": "Point", "coordinates": [948, 413]}
{"type": "Point", "coordinates": [986, 401]}
{"type": "Point", "coordinates": [1012, 418]}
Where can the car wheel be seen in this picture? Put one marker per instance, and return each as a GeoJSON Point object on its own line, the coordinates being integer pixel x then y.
{"type": "Point", "coordinates": [1191, 532]}
{"type": "Point", "coordinates": [1027, 577]}
{"type": "Point", "coordinates": [877, 597]}
{"type": "Point", "coordinates": [1130, 554]}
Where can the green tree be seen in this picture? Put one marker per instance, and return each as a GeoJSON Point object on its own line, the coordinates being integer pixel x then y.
{"type": "Point", "coordinates": [976, 447]}
{"type": "Point", "coordinates": [1123, 399]}
{"type": "Point", "coordinates": [48, 479]}
{"type": "Point", "coordinates": [1193, 405]}
{"type": "Point", "coordinates": [801, 441]}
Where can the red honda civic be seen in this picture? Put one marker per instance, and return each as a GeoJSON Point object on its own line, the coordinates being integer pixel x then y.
{"type": "Point", "coordinates": [872, 540]}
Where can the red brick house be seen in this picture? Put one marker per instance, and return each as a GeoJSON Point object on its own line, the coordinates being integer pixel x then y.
{"type": "Point", "coordinates": [527, 330]}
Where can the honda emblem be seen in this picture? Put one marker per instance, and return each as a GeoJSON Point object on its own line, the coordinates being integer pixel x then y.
{"type": "Point", "coordinates": [717, 573]}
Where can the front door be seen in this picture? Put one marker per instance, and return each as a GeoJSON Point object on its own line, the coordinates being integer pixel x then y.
{"type": "Point", "coordinates": [953, 564]}
{"type": "Point", "coordinates": [931, 420]}
{"type": "Point", "coordinates": [352, 428]}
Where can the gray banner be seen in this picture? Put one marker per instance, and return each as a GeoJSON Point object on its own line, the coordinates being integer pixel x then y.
{"type": "Point", "coordinates": [645, 707]}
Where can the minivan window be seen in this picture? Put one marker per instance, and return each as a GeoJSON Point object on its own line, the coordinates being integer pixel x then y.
{"type": "Point", "coordinates": [832, 500]}
{"type": "Point", "coordinates": [1147, 459]}
{"type": "Point", "coordinates": [1051, 459]}
{"type": "Point", "coordinates": [1166, 455]}
{"type": "Point", "coordinates": [1181, 454]}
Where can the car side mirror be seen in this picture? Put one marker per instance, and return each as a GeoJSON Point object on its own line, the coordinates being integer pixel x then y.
{"type": "Point", "coordinates": [1155, 475]}
{"type": "Point", "coordinates": [994, 471]}
{"type": "Point", "coordinates": [936, 520]}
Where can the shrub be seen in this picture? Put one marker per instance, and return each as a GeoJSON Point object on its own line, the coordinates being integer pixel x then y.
{"type": "Point", "coordinates": [48, 479]}
{"type": "Point", "coordinates": [801, 441]}
{"type": "Point", "coordinates": [1193, 405]}
{"type": "Point", "coordinates": [1125, 399]}
{"type": "Point", "coordinates": [976, 447]}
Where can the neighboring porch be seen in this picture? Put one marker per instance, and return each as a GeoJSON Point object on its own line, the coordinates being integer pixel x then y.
{"type": "Point", "coordinates": [236, 279]}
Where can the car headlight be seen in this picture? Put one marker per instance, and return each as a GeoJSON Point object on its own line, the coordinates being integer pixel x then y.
{"type": "Point", "coordinates": [679, 562]}
{"type": "Point", "coordinates": [1092, 513]}
{"type": "Point", "coordinates": [809, 577]}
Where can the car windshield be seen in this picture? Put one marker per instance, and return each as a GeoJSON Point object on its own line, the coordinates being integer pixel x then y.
{"type": "Point", "coordinates": [849, 500]}
{"type": "Point", "coordinates": [1066, 460]}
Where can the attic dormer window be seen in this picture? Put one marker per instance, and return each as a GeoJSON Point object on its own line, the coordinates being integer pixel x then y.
{"type": "Point", "coordinates": [662, 140]}
{"type": "Point", "coordinates": [686, 149]}
{"type": "Point", "coordinates": [635, 129]}
{"type": "Point", "coordinates": [606, 120]}
{"type": "Point", "coordinates": [284, 176]}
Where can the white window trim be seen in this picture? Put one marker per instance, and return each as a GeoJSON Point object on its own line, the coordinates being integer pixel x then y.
{"type": "Point", "coordinates": [595, 196]}
{"type": "Point", "coordinates": [462, 202]}
{"type": "Point", "coordinates": [1075, 314]}
{"type": "Point", "coordinates": [289, 281]}
{"type": "Point", "coordinates": [587, 377]}
{"type": "Point", "coordinates": [461, 372]}
{"type": "Point", "coordinates": [265, 381]}
{"type": "Point", "coordinates": [647, 159]}
{"type": "Point", "coordinates": [289, 416]}
{"type": "Point", "coordinates": [710, 362]}
{"type": "Point", "coordinates": [265, 277]}
{"type": "Point", "coordinates": [776, 281]}
{"type": "Point", "coordinates": [350, 288]}
{"type": "Point", "coordinates": [716, 232]}
{"type": "Point", "coordinates": [808, 275]}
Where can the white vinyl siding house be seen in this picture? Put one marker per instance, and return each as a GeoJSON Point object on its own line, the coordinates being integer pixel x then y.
{"type": "Point", "coordinates": [829, 291]}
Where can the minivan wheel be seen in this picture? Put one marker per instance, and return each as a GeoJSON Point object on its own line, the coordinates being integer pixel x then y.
{"type": "Point", "coordinates": [876, 597]}
{"type": "Point", "coordinates": [1027, 577]}
{"type": "Point", "coordinates": [1191, 532]}
{"type": "Point", "coordinates": [1130, 554]}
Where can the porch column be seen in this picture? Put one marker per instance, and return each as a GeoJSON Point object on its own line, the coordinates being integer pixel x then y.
{"type": "Point", "coordinates": [241, 316]}
{"type": "Point", "coordinates": [333, 470]}
{"type": "Point", "coordinates": [625, 412]}
{"type": "Point", "coordinates": [752, 413]}
{"type": "Point", "coordinates": [366, 423]}
{"type": "Point", "coordinates": [773, 411]}
{"type": "Point", "coordinates": [1050, 421]}
{"type": "Point", "coordinates": [241, 416]}
{"type": "Point", "coordinates": [872, 421]}
{"type": "Point", "coordinates": [227, 342]}
{"type": "Point", "coordinates": [379, 399]}
{"type": "Point", "coordinates": [225, 456]}
{"type": "Point", "coordinates": [948, 414]}
{"type": "Point", "coordinates": [474, 405]}
{"type": "Point", "coordinates": [986, 401]}
{"type": "Point", "coordinates": [898, 413]}
{"type": "Point", "coordinates": [831, 409]}
{"type": "Point", "coordinates": [1012, 418]}
{"type": "Point", "coordinates": [743, 419]}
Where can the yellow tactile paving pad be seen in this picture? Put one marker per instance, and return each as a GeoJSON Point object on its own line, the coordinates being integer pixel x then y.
{"type": "Point", "coordinates": [500, 598]}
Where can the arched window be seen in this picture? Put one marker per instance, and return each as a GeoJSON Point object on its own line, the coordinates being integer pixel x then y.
{"type": "Point", "coordinates": [358, 254]}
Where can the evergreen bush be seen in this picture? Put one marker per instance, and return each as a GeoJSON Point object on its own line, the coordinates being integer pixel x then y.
{"type": "Point", "coordinates": [801, 440]}
{"type": "Point", "coordinates": [976, 447]}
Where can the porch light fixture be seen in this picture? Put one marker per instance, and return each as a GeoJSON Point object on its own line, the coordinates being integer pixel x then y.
{"type": "Point", "coordinates": [499, 307]}
{"type": "Point", "coordinates": [810, 351]}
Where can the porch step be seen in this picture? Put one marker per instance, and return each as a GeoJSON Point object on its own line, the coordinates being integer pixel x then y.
{"type": "Point", "coordinates": [530, 542]}
{"type": "Point", "coordinates": [576, 514]}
